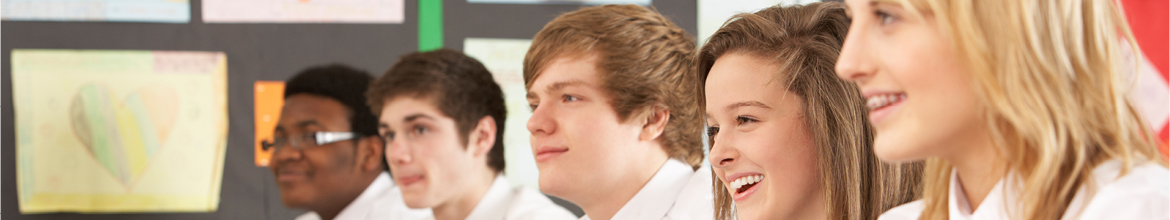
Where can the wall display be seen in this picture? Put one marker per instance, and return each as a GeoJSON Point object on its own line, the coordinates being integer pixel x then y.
{"type": "Point", "coordinates": [712, 13]}
{"type": "Point", "coordinates": [588, 2]}
{"type": "Point", "coordinates": [1151, 90]}
{"type": "Point", "coordinates": [162, 11]}
{"type": "Point", "coordinates": [119, 131]}
{"type": "Point", "coordinates": [268, 98]}
{"type": "Point", "coordinates": [505, 59]}
{"type": "Point", "coordinates": [303, 11]}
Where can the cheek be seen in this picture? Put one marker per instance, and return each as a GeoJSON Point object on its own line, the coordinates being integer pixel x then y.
{"type": "Point", "coordinates": [328, 160]}
{"type": "Point", "coordinates": [789, 157]}
{"type": "Point", "coordinates": [942, 104]}
{"type": "Point", "coordinates": [719, 173]}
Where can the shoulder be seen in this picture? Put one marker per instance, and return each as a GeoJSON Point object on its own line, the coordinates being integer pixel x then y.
{"type": "Point", "coordinates": [531, 204]}
{"type": "Point", "coordinates": [1142, 193]}
{"type": "Point", "coordinates": [390, 205]}
{"type": "Point", "coordinates": [695, 199]}
{"type": "Point", "coordinates": [309, 216]}
{"type": "Point", "coordinates": [908, 211]}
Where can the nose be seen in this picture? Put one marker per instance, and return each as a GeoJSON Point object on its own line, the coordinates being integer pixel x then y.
{"type": "Point", "coordinates": [542, 122]}
{"type": "Point", "coordinates": [723, 155]}
{"type": "Point", "coordinates": [286, 153]}
{"type": "Point", "coordinates": [854, 62]}
{"type": "Point", "coordinates": [397, 151]}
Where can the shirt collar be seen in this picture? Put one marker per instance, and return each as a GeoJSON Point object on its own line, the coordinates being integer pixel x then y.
{"type": "Point", "coordinates": [364, 203]}
{"type": "Point", "coordinates": [658, 195]}
{"type": "Point", "coordinates": [494, 204]}
{"type": "Point", "coordinates": [994, 206]}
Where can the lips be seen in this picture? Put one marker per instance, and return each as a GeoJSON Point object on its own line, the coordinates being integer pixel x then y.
{"type": "Point", "coordinates": [545, 153]}
{"type": "Point", "coordinates": [408, 180]}
{"type": "Point", "coordinates": [743, 185]}
{"type": "Point", "coordinates": [879, 101]}
{"type": "Point", "coordinates": [286, 175]}
{"type": "Point", "coordinates": [882, 104]}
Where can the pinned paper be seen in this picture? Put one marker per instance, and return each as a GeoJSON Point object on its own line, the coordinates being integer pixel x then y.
{"type": "Point", "coordinates": [119, 131]}
{"type": "Point", "coordinates": [269, 99]}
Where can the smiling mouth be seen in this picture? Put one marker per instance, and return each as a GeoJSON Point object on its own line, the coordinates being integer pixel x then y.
{"type": "Point", "coordinates": [409, 180]}
{"type": "Point", "coordinates": [744, 183]}
{"type": "Point", "coordinates": [288, 176]}
{"type": "Point", "coordinates": [880, 101]}
{"type": "Point", "coordinates": [547, 153]}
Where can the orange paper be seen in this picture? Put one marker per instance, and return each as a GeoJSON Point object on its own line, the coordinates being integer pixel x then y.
{"type": "Point", "coordinates": [269, 99]}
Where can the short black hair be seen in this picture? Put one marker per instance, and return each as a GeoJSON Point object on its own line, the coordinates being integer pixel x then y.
{"type": "Point", "coordinates": [342, 83]}
{"type": "Point", "coordinates": [459, 85]}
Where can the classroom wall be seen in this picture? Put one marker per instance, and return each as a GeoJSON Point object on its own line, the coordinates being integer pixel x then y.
{"type": "Point", "coordinates": [263, 52]}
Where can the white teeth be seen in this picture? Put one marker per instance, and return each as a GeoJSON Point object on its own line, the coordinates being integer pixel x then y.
{"type": "Point", "coordinates": [878, 101]}
{"type": "Point", "coordinates": [746, 181]}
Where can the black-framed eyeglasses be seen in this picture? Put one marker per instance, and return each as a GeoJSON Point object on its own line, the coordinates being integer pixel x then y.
{"type": "Point", "coordinates": [308, 140]}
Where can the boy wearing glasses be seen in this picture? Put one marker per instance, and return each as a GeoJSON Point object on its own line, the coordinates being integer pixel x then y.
{"type": "Point", "coordinates": [442, 117]}
{"type": "Point", "coordinates": [328, 157]}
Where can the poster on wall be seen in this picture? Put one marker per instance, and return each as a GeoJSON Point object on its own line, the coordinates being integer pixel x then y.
{"type": "Point", "coordinates": [712, 13]}
{"type": "Point", "coordinates": [102, 131]}
{"type": "Point", "coordinates": [1151, 91]}
{"type": "Point", "coordinates": [303, 11]}
{"type": "Point", "coordinates": [585, 2]}
{"type": "Point", "coordinates": [268, 98]}
{"type": "Point", "coordinates": [158, 11]}
{"type": "Point", "coordinates": [505, 59]}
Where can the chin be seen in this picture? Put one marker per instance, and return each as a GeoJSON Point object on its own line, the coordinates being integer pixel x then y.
{"type": "Point", "coordinates": [416, 202]}
{"type": "Point", "coordinates": [890, 152]}
{"type": "Point", "coordinates": [741, 214]}
{"type": "Point", "coordinates": [550, 186]}
{"type": "Point", "coordinates": [292, 201]}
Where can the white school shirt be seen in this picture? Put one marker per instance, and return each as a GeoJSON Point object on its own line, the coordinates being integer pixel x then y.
{"type": "Point", "coordinates": [674, 193]}
{"type": "Point", "coordinates": [504, 202]}
{"type": "Point", "coordinates": [382, 199]}
{"type": "Point", "coordinates": [1140, 194]}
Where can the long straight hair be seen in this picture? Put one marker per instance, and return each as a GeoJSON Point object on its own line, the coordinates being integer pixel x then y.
{"type": "Point", "coordinates": [1053, 90]}
{"type": "Point", "coordinates": [806, 41]}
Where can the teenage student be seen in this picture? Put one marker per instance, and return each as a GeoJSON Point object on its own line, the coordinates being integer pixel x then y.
{"type": "Point", "coordinates": [615, 123]}
{"type": "Point", "coordinates": [789, 139]}
{"type": "Point", "coordinates": [1018, 107]}
{"type": "Point", "coordinates": [442, 117]}
{"type": "Point", "coordinates": [328, 157]}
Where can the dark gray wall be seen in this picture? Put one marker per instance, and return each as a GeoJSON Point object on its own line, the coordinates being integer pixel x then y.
{"type": "Point", "coordinates": [263, 52]}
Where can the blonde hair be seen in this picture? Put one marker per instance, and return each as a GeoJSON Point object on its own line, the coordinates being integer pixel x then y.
{"type": "Point", "coordinates": [1050, 77]}
{"type": "Point", "coordinates": [645, 59]}
{"type": "Point", "coordinates": [806, 41]}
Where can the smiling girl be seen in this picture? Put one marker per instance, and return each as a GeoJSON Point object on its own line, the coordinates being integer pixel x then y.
{"type": "Point", "coordinates": [789, 139]}
{"type": "Point", "coordinates": [1019, 107]}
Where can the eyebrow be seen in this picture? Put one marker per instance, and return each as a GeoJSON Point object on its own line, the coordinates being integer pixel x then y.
{"type": "Point", "coordinates": [558, 86]}
{"type": "Point", "coordinates": [417, 116]}
{"type": "Point", "coordinates": [301, 124]}
{"type": "Point", "coordinates": [747, 104]}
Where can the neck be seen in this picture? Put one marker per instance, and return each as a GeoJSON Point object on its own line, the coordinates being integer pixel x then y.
{"type": "Point", "coordinates": [979, 168]}
{"type": "Point", "coordinates": [605, 203]}
{"type": "Point", "coordinates": [813, 208]}
{"type": "Point", "coordinates": [462, 205]}
{"type": "Point", "coordinates": [331, 209]}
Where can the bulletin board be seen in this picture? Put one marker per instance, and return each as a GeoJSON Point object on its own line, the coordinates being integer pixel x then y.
{"type": "Point", "coordinates": [264, 52]}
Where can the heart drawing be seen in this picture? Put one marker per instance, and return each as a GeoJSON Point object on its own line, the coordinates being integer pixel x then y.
{"type": "Point", "coordinates": [123, 135]}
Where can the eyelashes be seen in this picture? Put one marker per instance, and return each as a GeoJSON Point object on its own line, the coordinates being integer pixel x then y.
{"type": "Point", "coordinates": [885, 17]}
{"type": "Point", "coordinates": [740, 121]}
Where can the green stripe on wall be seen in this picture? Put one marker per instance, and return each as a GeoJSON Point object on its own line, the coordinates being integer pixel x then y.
{"type": "Point", "coordinates": [430, 25]}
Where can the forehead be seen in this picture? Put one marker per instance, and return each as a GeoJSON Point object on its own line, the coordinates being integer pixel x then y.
{"type": "Point", "coordinates": [738, 76]}
{"type": "Point", "coordinates": [580, 67]}
{"type": "Point", "coordinates": [399, 107]}
{"type": "Point", "coordinates": [304, 107]}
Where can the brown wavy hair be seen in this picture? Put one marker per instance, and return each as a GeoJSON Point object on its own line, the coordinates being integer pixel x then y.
{"type": "Point", "coordinates": [805, 41]}
{"type": "Point", "coordinates": [646, 62]}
